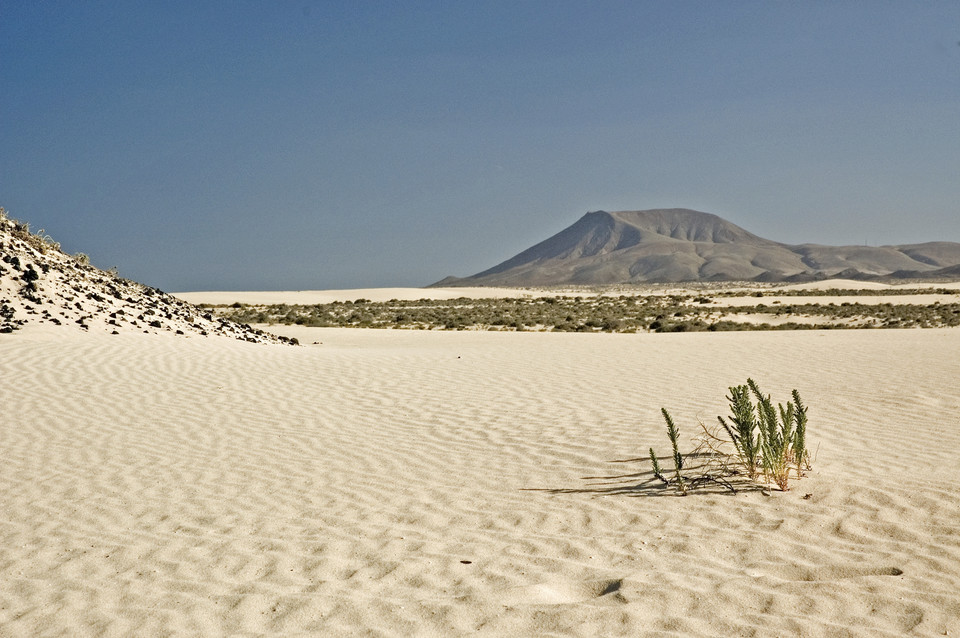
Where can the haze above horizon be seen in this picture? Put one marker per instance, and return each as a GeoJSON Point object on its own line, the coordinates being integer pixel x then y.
{"type": "Point", "coordinates": [219, 146]}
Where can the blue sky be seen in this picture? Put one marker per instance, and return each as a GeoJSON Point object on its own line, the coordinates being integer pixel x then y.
{"type": "Point", "coordinates": [301, 145]}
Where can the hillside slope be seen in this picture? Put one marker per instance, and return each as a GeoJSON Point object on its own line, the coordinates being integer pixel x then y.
{"type": "Point", "coordinates": [40, 284]}
{"type": "Point", "coordinates": [672, 245]}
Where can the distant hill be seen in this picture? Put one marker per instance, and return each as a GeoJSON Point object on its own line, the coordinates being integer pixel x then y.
{"type": "Point", "coordinates": [676, 244]}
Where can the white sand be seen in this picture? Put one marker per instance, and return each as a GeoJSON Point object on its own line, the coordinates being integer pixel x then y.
{"type": "Point", "coordinates": [770, 296]}
{"type": "Point", "coordinates": [849, 284]}
{"type": "Point", "coordinates": [156, 485]}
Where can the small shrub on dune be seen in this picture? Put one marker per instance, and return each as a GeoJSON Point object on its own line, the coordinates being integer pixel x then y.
{"type": "Point", "coordinates": [742, 429]}
{"type": "Point", "coordinates": [768, 441]}
{"type": "Point", "coordinates": [783, 441]}
{"type": "Point", "coordinates": [776, 437]}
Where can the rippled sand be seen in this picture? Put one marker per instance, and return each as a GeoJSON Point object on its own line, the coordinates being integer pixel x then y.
{"type": "Point", "coordinates": [440, 483]}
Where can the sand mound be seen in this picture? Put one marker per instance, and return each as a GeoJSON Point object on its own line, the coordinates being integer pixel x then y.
{"type": "Point", "coordinates": [40, 284]}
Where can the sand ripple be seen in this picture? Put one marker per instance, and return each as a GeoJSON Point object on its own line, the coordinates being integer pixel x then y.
{"type": "Point", "coordinates": [392, 483]}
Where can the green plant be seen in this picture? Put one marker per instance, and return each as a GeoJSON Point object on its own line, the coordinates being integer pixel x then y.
{"type": "Point", "coordinates": [743, 430]}
{"type": "Point", "coordinates": [657, 472]}
{"type": "Point", "coordinates": [801, 455]}
{"type": "Point", "coordinates": [779, 436]}
{"type": "Point", "coordinates": [673, 434]}
{"type": "Point", "coordinates": [767, 439]}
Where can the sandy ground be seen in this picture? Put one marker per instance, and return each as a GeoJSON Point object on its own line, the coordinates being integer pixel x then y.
{"type": "Point", "coordinates": [394, 483]}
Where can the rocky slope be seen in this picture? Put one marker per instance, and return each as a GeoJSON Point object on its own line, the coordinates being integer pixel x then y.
{"type": "Point", "coordinates": [40, 284]}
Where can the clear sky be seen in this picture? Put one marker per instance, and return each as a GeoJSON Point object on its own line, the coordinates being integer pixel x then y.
{"type": "Point", "coordinates": [301, 145]}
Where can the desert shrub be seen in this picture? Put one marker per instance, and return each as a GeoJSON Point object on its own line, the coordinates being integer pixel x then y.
{"type": "Point", "coordinates": [768, 442]}
{"type": "Point", "coordinates": [776, 437]}
{"type": "Point", "coordinates": [742, 429]}
{"type": "Point", "coordinates": [659, 313]}
{"type": "Point", "coordinates": [611, 325]}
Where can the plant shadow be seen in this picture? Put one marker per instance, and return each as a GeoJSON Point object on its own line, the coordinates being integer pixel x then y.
{"type": "Point", "coordinates": [707, 474]}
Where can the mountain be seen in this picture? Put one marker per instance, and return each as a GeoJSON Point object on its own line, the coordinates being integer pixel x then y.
{"type": "Point", "coordinates": [40, 284]}
{"type": "Point", "coordinates": [676, 244]}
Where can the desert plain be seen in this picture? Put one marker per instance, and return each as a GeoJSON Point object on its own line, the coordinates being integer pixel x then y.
{"type": "Point", "coordinates": [444, 483]}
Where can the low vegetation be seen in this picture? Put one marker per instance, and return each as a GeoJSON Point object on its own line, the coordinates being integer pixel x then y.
{"type": "Point", "coordinates": [600, 313]}
{"type": "Point", "coordinates": [846, 292]}
{"type": "Point", "coordinates": [761, 443]}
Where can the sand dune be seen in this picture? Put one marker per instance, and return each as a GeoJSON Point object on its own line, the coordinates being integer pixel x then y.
{"type": "Point", "coordinates": [448, 483]}
{"type": "Point", "coordinates": [42, 285]}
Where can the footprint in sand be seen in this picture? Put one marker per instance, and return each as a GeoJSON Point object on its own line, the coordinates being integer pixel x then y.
{"type": "Point", "coordinates": [811, 574]}
{"type": "Point", "coordinates": [562, 593]}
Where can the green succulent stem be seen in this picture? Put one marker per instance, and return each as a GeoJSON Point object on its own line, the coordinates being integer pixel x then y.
{"type": "Point", "coordinates": [743, 429]}
{"type": "Point", "coordinates": [673, 435]}
{"type": "Point", "coordinates": [657, 472]}
{"type": "Point", "coordinates": [800, 454]}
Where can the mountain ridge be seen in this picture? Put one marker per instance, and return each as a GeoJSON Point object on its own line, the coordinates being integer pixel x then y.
{"type": "Point", "coordinates": [678, 245]}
